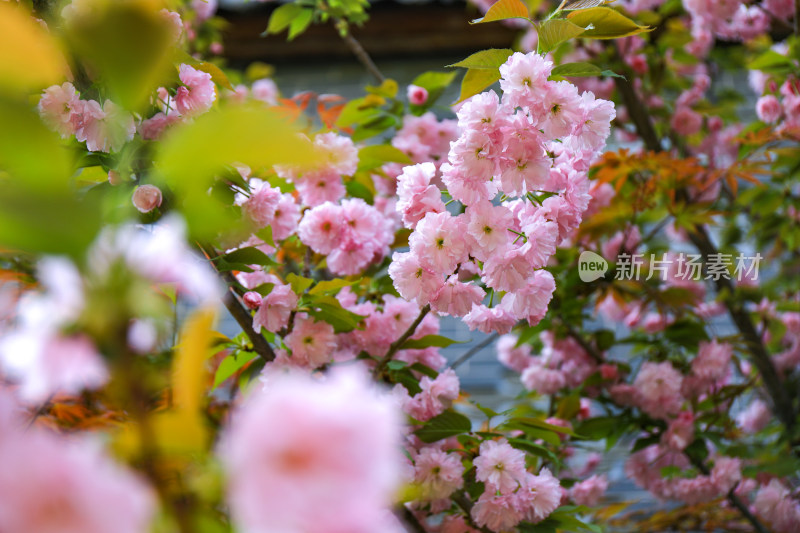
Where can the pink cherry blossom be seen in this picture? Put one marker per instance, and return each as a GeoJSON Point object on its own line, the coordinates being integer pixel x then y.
{"type": "Point", "coordinates": [321, 228]}
{"type": "Point", "coordinates": [439, 242]}
{"type": "Point", "coordinates": [489, 320]}
{"type": "Point", "coordinates": [500, 466]}
{"type": "Point", "coordinates": [259, 207]}
{"type": "Point", "coordinates": [330, 446]}
{"type": "Point", "coordinates": [286, 218]}
{"type": "Point", "coordinates": [542, 495]}
{"type": "Point", "coordinates": [523, 78]}
{"type": "Point", "coordinates": [312, 343]}
{"type": "Point", "coordinates": [104, 129]}
{"type": "Point", "coordinates": [437, 473]}
{"type": "Point", "coordinates": [265, 90]}
{"type": "Point", "coordinates": [589, 491]}
{"type": "Point", "coordinates": [659, 389]}
{"type": "Point", "coordinates": [768, 108]}
{"type": "Point", "coordinates": [339, 152]}
{"type": "Point", "coordinates": [275, 308]}
{"type": "Point", "coordinates": [51, 485]}
{"type": "Point", "coordinates": [197, 94]}
{"type": "Point", "coordinates": [412, 280]}
{"type": "Point", "coordinates": [57, 106]}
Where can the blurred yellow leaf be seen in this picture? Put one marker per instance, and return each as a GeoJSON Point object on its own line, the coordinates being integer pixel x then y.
{"type": "Point", "coordinates": [30, 58]}
{"type": "Point", "coordinates": [189, 368]}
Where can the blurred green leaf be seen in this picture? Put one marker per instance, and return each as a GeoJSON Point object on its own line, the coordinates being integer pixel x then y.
{"type": "Point", "coordinates": [445, 425]}
{"type": "Point", "coordinates": [554, 32]}
{"type": "Point", "coordinates": [605, 23]}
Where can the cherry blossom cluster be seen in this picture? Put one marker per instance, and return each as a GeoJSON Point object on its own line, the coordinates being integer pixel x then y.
{"type": "Point", "coordinates": [535, 143]}
{"type": "Point", "coordinates": [41, 350]}
{"type": "Point", "coordinates": [735, 20]}
{"type": "Point", "coordinates": [333, 443]}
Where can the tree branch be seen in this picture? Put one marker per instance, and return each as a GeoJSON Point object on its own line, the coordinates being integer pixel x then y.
{"type": "Point", "coordinates": [358, 50]}
{"type": "Point", "coordinates": [379, 368]}
{"type": "Point", "coordinates": [475, 349]}
{"type": "Point", "coordinates": [239, 311]}
{"type": "Point", "coordinates": [701, 240]}
{"type": "Point", "coordinates": [411, 520]}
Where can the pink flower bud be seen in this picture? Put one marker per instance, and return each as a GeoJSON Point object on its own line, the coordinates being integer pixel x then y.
{"type": "Point", "coordinates": [417, 95]}
{"type": "Point", "coordinates": [609, 371]}
{"type": "Point", "coordinates": [146, 198]}
{"type": "Point", "coordinates": [252, 299]}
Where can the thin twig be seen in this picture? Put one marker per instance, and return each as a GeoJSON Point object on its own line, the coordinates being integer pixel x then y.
{"type": "Point", "coordinates": [359, 52]}
{"type": "Point", "coordinates": [465, 504]}
{"type": "Point", "coordinates": [475, 349]}
{"type": "Point", "coordinates": [379, 368]}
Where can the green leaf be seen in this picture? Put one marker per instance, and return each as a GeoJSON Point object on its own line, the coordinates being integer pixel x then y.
{"type": "Point", "coordinates": [605, 23]}
{"type": "Point", "coordinates": [554, 32]}
{"type": "Point", "coordinates": [129, 44]}
{"type": "Point", "coordinates": [577, 70]}
{"type": "Point", "coordinates": [299, 283]}
{"type": "Point", "coordinates": [359, 111]}
{"type": "Point", "coordinates": [428, 341]}
{"type": "Point", "coordinates": [328, 309]}
{"type": "Point", "coordinates": [193, 154]}
{"type": "Point", "coordinates": [300, 23]}
{"type": "Point", "coordinates": [772, 62]}
{"type": "Point", "coordinates": [476, 80]}
{"type": "Point", "coordinates": [282, 17]}
{"type": "Point", "coordinates": [332, 286]}
{"type": "Point", "coordinates": [583, 70]}
{"type": "Point", "coordinates": [424, 370]}
{"type": "Point", "coordinates": [604, 339]}
{"type": "Point", "coordinates": [445, 425]}
{"type": "Point", "coordinates": [217, 76]}
{"type": "Point", "coordinates": [377, 155]}
{"type": "Point", "coordinates": [598, 428]}
{"type": "Point", "coordinates": [265, 234]}
{"type": "Point", "coordinates": [534, 449]}
{"type": "Point", "coordinates": [485, 59]}
{"type": "Point", "coordinates": [248, 256]}
{"type": "Point", "coordinates": [505, 9]}
{"type": "Point", "coordinates": [230, 365]}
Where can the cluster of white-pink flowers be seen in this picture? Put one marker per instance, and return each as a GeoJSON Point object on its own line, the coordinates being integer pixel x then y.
{"type": "Point", "coordinates": [318, 456]}
{"type": "Point", "coordinates": [535, 143]}
{"type": "Point", "coordinates": [735, 20]}
{"type": "Point", "coordinates": [512, 493]}
{"type": "Point", "coordinates": [39, 349]}
{"type": "Point", "coordinates": [103, 127]}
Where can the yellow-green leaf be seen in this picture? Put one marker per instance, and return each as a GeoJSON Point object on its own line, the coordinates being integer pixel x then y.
{"type": "Point", "coordinates": [31, 58]}
{"type": "Point", "coordinates": [605, 23]}
{"type": "Point", "coordinates": [554, 32]}
{"type": "Point", "coordinates": [192, 155]}
{"type": "Point", "coordinates": [505, 9]}
{"type": "Point", "coordinates": [485, 59]}
{"type": "Point", "coordinates": [217, 76]}
{"type": "Point", "coordinates": [476, 80]}
{"type": "Point", "coordinates": [129, 44]}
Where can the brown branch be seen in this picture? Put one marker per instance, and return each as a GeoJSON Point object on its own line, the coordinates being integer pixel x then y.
{"type": "Point", "coordinates": [465, 504]}
{"type": "Point", "coordinates": [358, 50]}
{"type": "Point", "coordinates": [395, 346]}
{"type": "Point", "coordinates": [475, 349]}
{"type": "Point", "coordinates": [239, 311]}
{"type": "Point", "coordinates": [701, 240]}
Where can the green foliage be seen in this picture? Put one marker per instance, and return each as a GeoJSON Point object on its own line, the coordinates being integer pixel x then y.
{"type": "Point", "coordinates": [445, 425]}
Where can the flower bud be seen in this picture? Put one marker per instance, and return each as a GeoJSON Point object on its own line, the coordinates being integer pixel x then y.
{"type": "Point", "coordinates": [417, 95]}
{"type": "Point", "coordinates": [252, 299]}
{"type": "Point", "coordinates": [146, 198]}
